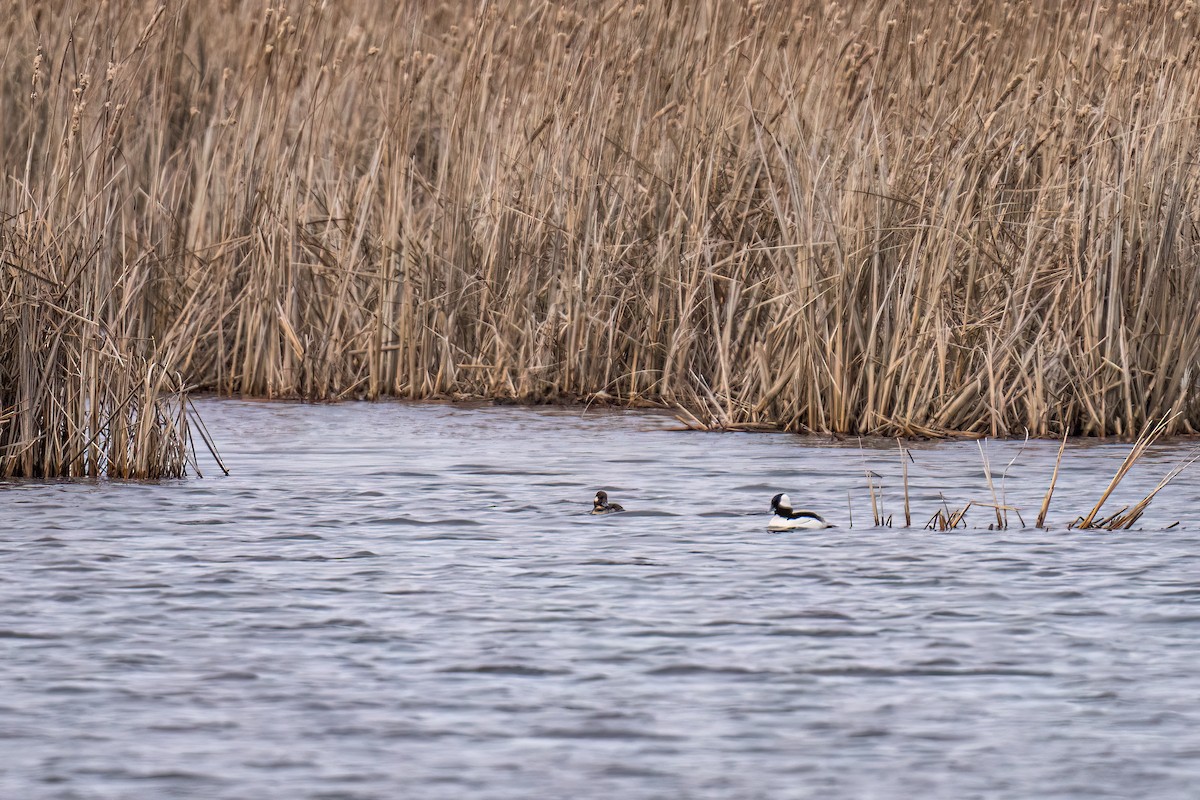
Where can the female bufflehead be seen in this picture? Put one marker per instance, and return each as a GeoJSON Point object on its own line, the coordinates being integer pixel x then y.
{"type": "Point", "coordinates": [601, 505]}
{"type": "Point", "coordinates": [786, 519]}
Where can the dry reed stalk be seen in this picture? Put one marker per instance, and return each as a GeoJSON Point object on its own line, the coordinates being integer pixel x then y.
{"type": "Point", "coordinates": [1148, 436]}
{"type": "Point", "coordinates": [876, 514]}
{"type": "Point", "coordinates": [1001, 504]}
{"type": "Point", "coordinates": [945, 519]}
{"type": "Point", "coordinates": [905, 457]}
{"type": "Point", "coordinates": [1041, 517]}
{"type": "Point", "coordinates": [1127, 516]}
{"type": "Point", "coordinates": [998, 507]}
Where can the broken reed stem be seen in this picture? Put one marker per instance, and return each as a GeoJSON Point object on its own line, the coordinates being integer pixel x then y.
{"type": "Point", "coordinates": [1126, 520]}
{"type": "Point", "coordinates": [875, 514]}
{"type": "Point", "coordinates": [945, 519]}
{"type": "Point", "coordinates": [876, 517]}
{"type": "Point", "coordinates": [1004, 474]}
{"type": "Point", "coordinates": [1001, 522]}
{"type": "Point", "coordinates": [905, 456]}
{"type": "Point", "coordinates": [207, 438]}
{"type": "Point", "coordinates": [1148, 436]}
{"type": "Point", "coordinates": [1041, 518]}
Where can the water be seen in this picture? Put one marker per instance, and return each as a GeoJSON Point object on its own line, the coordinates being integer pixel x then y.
{"type": "Point", "coordinates": [394, 601]}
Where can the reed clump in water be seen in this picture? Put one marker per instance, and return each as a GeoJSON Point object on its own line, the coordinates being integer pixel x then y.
{"type": "Point", "coordinates": [85, 389]}
{"type": "Point", "coordinates": [81, 391]}
{"type": "Point", "coordinates": [896, 218]}
{"type": "Point", "coordinates": [948, 519]}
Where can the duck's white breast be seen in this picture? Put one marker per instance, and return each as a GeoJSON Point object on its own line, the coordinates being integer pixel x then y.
{"type": "Point", "coordinates": [779, 523]}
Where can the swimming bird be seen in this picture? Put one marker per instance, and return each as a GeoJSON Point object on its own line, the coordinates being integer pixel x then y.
{"type": "Point", "coordinates": [601, 505]}
{"type": "Point", "coordinates": [786, 519]}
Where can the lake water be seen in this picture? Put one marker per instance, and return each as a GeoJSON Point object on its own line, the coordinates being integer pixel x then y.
{"type": "Point", "coordinates": [410, 601]}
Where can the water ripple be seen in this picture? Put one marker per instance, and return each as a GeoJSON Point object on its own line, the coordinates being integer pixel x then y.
{"type": "Point", "coordinates": [412, 601]}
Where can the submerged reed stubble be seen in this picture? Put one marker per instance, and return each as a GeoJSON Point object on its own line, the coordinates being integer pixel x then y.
{"type": "Point", "coordinates": [896, 218]}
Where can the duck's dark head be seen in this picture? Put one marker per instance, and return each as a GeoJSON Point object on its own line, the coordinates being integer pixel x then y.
{"type": "Point", "coordinates": [601, 500]}
{"type": "Point", "coordinates": [781, 504]}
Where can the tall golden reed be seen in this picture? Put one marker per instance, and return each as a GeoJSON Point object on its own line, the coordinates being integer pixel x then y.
{"type": "Point", "coordinates": [890, 217]}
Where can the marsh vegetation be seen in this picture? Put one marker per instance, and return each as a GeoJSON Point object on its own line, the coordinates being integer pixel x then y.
{"type": "Point", "coordinates": [893, 218]}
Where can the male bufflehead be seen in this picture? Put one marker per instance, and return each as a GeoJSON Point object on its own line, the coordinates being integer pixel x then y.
{"type": "Point", "coordinates": [786, 519]}
{"type": "Point", "coordinates": [601, 505]}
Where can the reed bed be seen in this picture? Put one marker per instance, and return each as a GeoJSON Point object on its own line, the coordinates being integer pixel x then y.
{"type": "Point", "coordinates": [899, 218]}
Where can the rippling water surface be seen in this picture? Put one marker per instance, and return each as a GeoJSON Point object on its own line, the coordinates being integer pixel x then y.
{"type": "Point", "coordinates": [394, 601]}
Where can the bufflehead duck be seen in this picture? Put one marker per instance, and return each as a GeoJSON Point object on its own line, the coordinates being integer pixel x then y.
{"type": "Point", "coordinates": [601, 505]}
{"type": "Point", "coordinates": [786, 519]}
